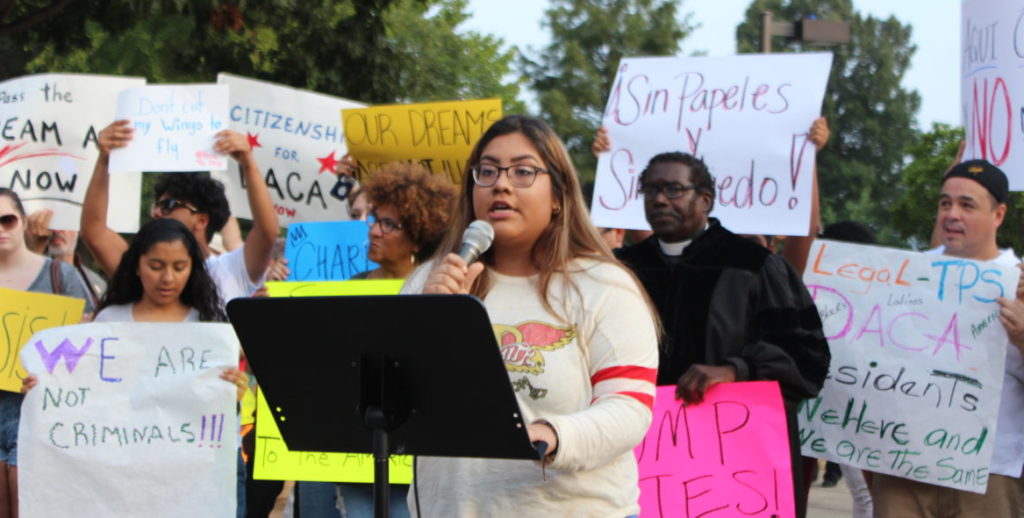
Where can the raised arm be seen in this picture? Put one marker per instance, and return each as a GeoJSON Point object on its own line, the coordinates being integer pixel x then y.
{"type": "Point", "coordinates": [106, 245]}
{"type": "Point", "coordinates": [260, 242]}
{"type": "Point", "coordinates": [797, 247]}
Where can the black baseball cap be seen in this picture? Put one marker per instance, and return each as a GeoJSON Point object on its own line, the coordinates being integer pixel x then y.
{"type": "Point", "coordinates": [989, 176]}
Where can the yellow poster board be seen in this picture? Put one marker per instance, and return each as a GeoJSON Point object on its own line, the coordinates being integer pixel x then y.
{"type": "Point", "coordinates": [439, 136]}
{"type": "Point", "coordinates": [274, 461]}
{"type": "Point", "coordinates": [22, 313]}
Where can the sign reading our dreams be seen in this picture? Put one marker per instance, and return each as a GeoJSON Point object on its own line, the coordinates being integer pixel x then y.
{"type": "Point", "coordinates": [50, 124]}
{"type": "Point", "coordinates": [23, 314]}
{"type": "Point", "coordinates": [438, 136]}
{"type": "Point", "coordinates": [174, 128]}
{"type": "Point", "coordinates": [992, 84]}
{"type": "Point", "coordinates": [297, 140]}
{"type": "Point", "coordinates": [728, 454]}
{"type": "Point", "coordinates": [917, 362]}
{"type": "Point", "coordinates": [746, 116]}
{"type": "Point", "coordinates": [127, 417]}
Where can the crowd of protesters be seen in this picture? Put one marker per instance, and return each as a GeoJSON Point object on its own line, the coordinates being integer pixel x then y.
{"type": "Point", "coordinates": [690, 305]}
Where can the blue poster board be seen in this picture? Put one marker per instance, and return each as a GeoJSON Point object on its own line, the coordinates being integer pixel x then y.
{"type": "Point", "coordinates": [327, 251]}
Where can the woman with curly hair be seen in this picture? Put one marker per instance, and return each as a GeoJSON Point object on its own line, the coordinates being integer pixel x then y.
{"type": "Point", "coordinates": [411, 210]}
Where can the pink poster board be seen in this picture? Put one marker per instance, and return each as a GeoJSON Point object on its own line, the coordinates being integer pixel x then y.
{"type": "Point", "coordinates": [728, 456]}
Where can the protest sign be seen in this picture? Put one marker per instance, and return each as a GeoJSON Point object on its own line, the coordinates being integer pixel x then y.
{"type": "Point", "coordinates": [992, 84]}
{"type": "Point", "coordinates": [439, 136]}
{"type": "Point", "coordinates": [327, 251]}
{"type": "Point", "coordinates": [728, 454]}
{"type": "Point", "coordinates": [746, 116]}
{"type": "Point", "coordinates": [332, 288]}
{"type": "Point", "coordinates": [50, 127]}
{"type": "Point", "coordinates": [917, 362]}
{"type": "Point", "coordinates": [174, 128]}
{"type": "Point", "coordinates": [296, 138]}
{"type": "Point", "coordinates": [23, 314]}
{"type": "Point", "coordinates": [129, 416]}
{"type": "Point", "coordinates": [274, 461]}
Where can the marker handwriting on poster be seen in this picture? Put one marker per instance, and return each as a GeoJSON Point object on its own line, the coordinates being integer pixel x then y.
{"type": "Point", "coordinates": [327, 251]}
{"type": "Point", "coordinates": [991, 60]}
{"type": "Point", "coordinates": [438, 136]}
{"type": "Point", "coordinates": [296, 136]}
{"type": "Point", "coordinates": [707, 107]}
{"type": "Point", "coordinates": [21, 315]}
{"type": "Point", "coordinates": [139, 405]}
{"type": "Point", "coordinates": [48, 133]}
{"type": "Point", "coordinates": [729, 454]}
{"type": "Point", "coordinates": [174, 128]}
{"type": "Point", "coordinates": [917, 356]}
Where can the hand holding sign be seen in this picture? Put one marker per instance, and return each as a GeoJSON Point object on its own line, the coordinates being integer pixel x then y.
{"type": "Point", "coordinates": [174, 128]}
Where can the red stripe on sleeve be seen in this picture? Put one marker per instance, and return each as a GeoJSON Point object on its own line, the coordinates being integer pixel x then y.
{"type": "Point", "coordinates": [646, 399]}
{"type": "Point", "coordinates": [634, 372]}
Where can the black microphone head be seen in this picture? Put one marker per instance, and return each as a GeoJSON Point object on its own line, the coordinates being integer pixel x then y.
{"type": "Point", "coordinates": [476, 240]}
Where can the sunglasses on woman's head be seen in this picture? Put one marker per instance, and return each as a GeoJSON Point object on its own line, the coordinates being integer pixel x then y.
{"type": "Point", "coordinates": [8, 221]}
{"type": "Point", "coordinates": [167, 206]}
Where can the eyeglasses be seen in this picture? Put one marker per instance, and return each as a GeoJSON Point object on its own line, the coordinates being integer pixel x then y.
{"type": "Point", "coordinates": [167, 206]}
{"type": "Point", "coordinates": [387, 225]}
{"type": "Point", "coordinates": [670, 190]}
{"type": "Point", "coordinates": [521, 176]}
{"type": "Point", "coordinates": [9, 221]}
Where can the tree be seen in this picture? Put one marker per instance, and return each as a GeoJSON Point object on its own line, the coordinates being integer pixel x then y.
{"type": "Point", "coordinates": [913, 214]}
{"type": "Point", "coordinates": [375, 51]}
{"type": "Point", "coordinates": [871, 115]}
{"type": "Point", "coordinates": [574, 73]}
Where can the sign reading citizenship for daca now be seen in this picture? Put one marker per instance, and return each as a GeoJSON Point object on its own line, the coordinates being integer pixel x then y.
{"type": "Point", "coordinates": [129, 417]}
{"type": "Point", "coordinates": [50, 127]}
{"type": "Point", "coordinates": [917, 362]}
{"type": "Point", "coordinates": [746, 116]}
{"type": "Point", "coordinates": [438, 136]}
{"type": "Point", "coordinates": [297, 140]}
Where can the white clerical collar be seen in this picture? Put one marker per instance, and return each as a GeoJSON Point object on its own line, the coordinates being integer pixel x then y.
{"type": "Point", "coordinates": [676, 249]}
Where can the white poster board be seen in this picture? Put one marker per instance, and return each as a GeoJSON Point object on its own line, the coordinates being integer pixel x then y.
{"type": "Point", "coordinates": [297, 139]}
{"type": "Point", "coordinates": [128, 420]}
{"type": "Point", "coordinates": [174, 128]}
{"type": "Point", "coordinates": [917, 362]}
{"type": "Point", "coordinates": [50, 124]}
{"type": "Point", "coordinates": [992, 84]}
{"type": "Point", "coordinates": [746, 116]}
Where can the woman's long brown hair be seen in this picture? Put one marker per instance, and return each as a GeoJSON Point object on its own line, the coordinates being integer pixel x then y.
{"type": "Point", "coordinates": [569, 236]}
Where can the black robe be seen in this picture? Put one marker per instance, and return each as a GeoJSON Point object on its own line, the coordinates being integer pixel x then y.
{"type": "Point", "coordinates": [729, 301]}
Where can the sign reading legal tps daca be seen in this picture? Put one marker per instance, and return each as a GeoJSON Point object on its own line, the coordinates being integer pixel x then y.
{"type": "Point", "coordinates": [747, 117]}
{"type": "Point", "coordinates": [917, 362]}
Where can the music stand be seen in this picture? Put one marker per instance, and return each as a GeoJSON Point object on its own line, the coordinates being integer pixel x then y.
{"type": "Point", "coordinates": [407, 374]}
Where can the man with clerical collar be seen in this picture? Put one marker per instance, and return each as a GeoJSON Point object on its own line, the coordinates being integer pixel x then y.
{"type": "Point", "coordinates": [731, 310]}
{"type": "Point", "coordinates": [972, 206]}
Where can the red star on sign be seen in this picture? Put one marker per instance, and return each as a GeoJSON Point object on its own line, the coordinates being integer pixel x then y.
{"type": "Point", "coordinates": [327, 163]}
{"type": "Point", "coordinates": [254, 140]}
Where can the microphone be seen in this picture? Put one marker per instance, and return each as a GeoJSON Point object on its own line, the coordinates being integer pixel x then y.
{"type": "Point", "coordinates": [476, 240]}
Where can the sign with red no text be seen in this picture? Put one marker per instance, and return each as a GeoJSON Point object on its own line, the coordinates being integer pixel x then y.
{"type": "Point", "coordinates": [729, 454]}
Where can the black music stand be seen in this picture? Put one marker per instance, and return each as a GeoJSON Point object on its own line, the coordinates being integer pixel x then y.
{"type": "Point", "coordinates": [407, 374]}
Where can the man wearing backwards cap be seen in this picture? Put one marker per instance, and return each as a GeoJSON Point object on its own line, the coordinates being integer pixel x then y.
{"type": "Point", "coordinates": [972, 205]}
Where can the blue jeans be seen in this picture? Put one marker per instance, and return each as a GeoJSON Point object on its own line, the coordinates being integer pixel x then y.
{"type": "Point", "coordinates": [358, 500]}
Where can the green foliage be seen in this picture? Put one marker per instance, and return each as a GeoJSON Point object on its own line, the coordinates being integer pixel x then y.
{"type": "Point", "coordinates": [376, 51]}
{"type": "Point", "coordinates": [870, 114]}
{"type": "Point", "coordinates": [573, 75]}
{"type": "Point", "coordinates": [913, 214]}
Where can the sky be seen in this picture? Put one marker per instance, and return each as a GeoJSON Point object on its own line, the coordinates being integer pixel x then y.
{"type": "Point", "coordinates": [934, 71]}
